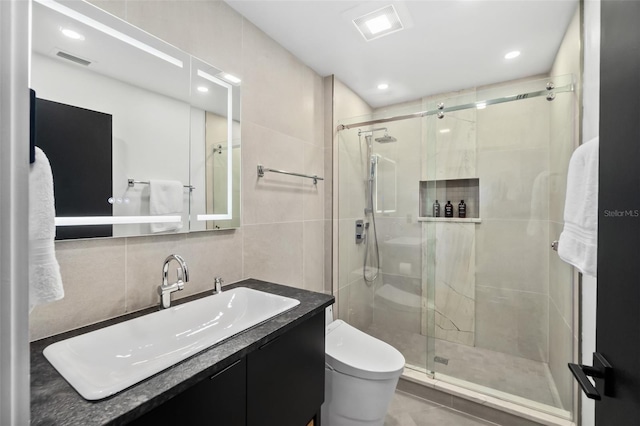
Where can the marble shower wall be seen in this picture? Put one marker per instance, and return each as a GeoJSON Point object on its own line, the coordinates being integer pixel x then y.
{"type": "Point", "coordinates": [512, 264]}
{"type": "Point", "coordinates": [455, 295]}
{"type": "Point", "coordinates": [455, 139]}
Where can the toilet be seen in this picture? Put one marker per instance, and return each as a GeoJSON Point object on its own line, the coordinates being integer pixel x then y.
{"type": "Point", "coordinates": [361, 374]}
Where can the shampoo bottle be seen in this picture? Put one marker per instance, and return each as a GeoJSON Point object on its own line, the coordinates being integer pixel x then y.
{"type": "Point", "coordinates": [436, 209]}
{"type": "Point", "coordinates": [462, 209]}
{"type": "Point", "coordinates": [448, 209]}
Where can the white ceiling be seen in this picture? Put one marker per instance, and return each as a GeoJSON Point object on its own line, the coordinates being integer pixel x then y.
{"type": "Point", "coordinates": [446, 44]}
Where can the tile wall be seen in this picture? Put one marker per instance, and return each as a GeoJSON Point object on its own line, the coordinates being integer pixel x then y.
{"type": "Point", "coordinates": [511, 247]}
{"type": "Point", "coordinates": [283, 233]}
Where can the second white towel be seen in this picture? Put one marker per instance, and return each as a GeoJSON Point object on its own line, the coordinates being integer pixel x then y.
{"type": "Point", "coordinates": [165, 198]}
{"type": "Point", "coordinates": [578, 243]}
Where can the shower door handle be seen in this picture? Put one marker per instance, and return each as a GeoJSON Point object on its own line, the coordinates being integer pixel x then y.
{"type": "Point", "coordinates": [601, 369]}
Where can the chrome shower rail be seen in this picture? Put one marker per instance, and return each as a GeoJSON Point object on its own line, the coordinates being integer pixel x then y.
{"type": "Point", "coordinates": [549, 92]}
{"type": "Point", "coordinates": [262, 169]}
{"type": "Point", "coordinates": [131, 183]}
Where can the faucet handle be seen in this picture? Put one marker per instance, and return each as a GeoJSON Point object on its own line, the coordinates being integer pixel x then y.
{"type": "Point", "coordinates": [217, 285]}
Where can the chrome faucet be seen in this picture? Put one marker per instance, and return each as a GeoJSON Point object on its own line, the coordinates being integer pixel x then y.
{"type": "Point", "coordinates": [217, 285]}
{"type": "Point", "coordinates": [166, 289]}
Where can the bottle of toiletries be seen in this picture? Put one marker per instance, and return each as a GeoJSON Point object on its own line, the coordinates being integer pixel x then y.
{"type": "Point", "coordinates": [448, 209]}
{"type": "Point", "coordinates": [462, 209]}
{"type": "Point", "coordinates": [436, 209]}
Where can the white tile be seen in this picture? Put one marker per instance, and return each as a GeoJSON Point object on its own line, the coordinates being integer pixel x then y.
{"type": "Point", "coordinates": [512, 322]}
{"type": "Point", "coordinates": [274, 252]}
{"type": "Point", "coordinates": [279, 91]}
{"type": "Point", "coordinates": [211, 254]}
{"type": "Point", "coordinates": [274, 197]}
{"type": "Point", "coordinates": [93, 277]}
{"type": "Point", "coordinates": [313, 255]}
{"type": "Point", "coordinates": [509, 256]}
{"type": "Point", "coordinates": [313, 195]}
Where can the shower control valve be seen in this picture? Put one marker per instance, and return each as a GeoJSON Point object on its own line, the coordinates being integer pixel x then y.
{"type": "Point", "coordinates": [360, 236]}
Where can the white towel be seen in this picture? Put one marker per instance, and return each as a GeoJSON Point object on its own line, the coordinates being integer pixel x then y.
{"type": "Point", "coordinates": [45, 282]}
{"type": "Point", "coordinates": [578, 244]}
{"type": "Point", "coordinates": [165, 198]}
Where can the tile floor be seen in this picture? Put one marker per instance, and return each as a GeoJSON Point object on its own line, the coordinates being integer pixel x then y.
{"type": "Point", "coordinates": [507, 373]}
{"type": "Point", "coordinates": [408, 410]}
{"type": "Point", "coordinates": [496, 370]}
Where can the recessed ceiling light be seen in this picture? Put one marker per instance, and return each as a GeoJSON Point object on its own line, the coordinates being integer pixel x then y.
{"type": "Point", "coordinates": [72, 34]}
{"type": "Point", "coordinates": [380, 22]}
{"type": "Point", "coordinates": [512, 55]}
{"type": "Point", "coordinates": [445, 130]}
{"type": "Point", "coordinates": [481, 105]}
{"type": "Point", "coordinates": [203, 89]}
{"type": "Point", "coordinates": [383, 86]}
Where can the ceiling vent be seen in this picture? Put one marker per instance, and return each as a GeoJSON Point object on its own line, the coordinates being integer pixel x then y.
{"type": "Point", "coordinates": [379, 23]}
{"type": "Point", "coordinates": [72, 58]}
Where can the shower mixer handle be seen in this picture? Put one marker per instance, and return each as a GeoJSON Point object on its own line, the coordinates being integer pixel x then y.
{"type": "Point", "coordinates": [360, 236]}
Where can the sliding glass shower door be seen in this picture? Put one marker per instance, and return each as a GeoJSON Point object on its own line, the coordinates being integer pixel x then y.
{"type": "Point", "coordinates": [469, 291]}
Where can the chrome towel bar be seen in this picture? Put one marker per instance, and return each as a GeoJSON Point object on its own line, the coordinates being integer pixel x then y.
{"type": "Point", "coordinates": [262, 169]}
{"type": "Point", "coordinates": [132, 182]}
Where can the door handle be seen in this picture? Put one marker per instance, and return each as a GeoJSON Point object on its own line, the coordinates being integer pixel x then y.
{"type": "Point", "coordinates": [601, 369]}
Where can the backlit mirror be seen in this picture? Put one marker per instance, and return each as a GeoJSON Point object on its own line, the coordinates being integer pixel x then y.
{"type": "Point", "coordinates": [142, 137]}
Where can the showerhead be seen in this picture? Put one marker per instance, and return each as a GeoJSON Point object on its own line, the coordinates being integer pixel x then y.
{"type": "Point", "coordinates": [386, 139]}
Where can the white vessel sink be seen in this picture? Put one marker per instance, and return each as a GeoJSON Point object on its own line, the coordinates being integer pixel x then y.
{"type": "Point", "coordinates": [106, 361]}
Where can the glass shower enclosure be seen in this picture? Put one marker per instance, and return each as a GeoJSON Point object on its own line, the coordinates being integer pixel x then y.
{"type": "Point", "coordinates": [478, 299]}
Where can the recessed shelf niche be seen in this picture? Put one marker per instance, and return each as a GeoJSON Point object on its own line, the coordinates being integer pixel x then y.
{"type": "Point", "coordinates": [452, 190]}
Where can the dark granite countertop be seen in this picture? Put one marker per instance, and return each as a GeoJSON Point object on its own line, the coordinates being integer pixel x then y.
{"type": "Point", "coordinates": [55, 402]}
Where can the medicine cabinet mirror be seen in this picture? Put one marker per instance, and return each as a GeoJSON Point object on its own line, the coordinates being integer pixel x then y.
{"type": "Point", "coordinates": [118, 111]}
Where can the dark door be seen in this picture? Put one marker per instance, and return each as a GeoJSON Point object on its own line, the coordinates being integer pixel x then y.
{"type": "Point", "coordinates": [77, 142]}
{"type": "Point", "coordinates": [618, 312]}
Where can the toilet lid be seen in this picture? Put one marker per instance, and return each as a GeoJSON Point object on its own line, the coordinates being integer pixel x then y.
{"type": "Point", "coordinates": [350, 351]}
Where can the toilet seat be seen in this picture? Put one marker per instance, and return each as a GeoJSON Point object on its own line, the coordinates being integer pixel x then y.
{"type": "Point", "coordinates": [350, 351]}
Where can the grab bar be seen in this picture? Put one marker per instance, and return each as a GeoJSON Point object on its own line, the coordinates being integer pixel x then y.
{"type": "Point", "coordinates": [132, 182]}
{"type": "Point", "coordinates": [262, 169]}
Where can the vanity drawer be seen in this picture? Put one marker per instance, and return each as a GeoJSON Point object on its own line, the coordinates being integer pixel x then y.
{"type": "Point", "coordinates": [217, 400]}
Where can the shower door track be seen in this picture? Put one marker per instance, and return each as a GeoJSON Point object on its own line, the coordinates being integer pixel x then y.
{"type": "Point", "coordinates": [549, 92]}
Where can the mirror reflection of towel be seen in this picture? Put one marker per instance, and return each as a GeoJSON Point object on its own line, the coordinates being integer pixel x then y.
{"type": "Point", "coordinates": [578, 244]}
{"type": "Point", "coordinates": [165, 198]}
{"type": "Point", "coordinates": [45, 282]}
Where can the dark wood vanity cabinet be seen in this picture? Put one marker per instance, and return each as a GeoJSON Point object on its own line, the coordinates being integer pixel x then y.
{"type": "Point", "coordinates": [217, 400]}
{"type": "Point", "coordinates": [281, 383]}
{"type": "Point", "coordinates": [285, 377]}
